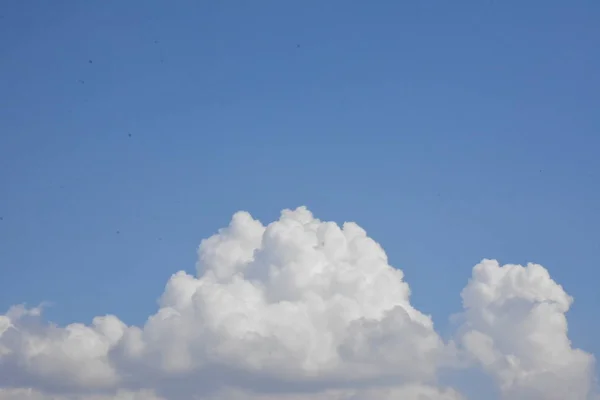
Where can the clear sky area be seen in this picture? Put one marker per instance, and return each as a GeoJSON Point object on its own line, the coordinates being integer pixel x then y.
{"type": "Point", "coordinates": [454, 134]}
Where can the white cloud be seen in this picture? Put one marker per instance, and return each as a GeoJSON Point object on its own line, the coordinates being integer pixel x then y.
{"type": "Point", "coordinates": [300, 309]}
{"type": "Point", "coordinates": [516, 329]}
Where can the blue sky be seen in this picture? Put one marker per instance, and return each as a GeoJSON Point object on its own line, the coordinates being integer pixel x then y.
{"type": "Point", "coordinates": [451, 131]}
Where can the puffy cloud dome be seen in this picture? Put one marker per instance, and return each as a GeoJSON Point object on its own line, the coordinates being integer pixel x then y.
{"type": "Point", "coordinates": [301, 309]}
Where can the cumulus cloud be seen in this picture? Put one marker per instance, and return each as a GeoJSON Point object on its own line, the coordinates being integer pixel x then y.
{"type": "Point", "coordinates": [301, 309]}
{"type": "Point", "coordinates": [515, 327]}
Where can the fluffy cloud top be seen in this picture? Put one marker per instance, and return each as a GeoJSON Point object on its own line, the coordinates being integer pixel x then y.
{"type": "Point", "coordinates": [301, 309]}
{"type": "Point", "coordinates": [516, 329]}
